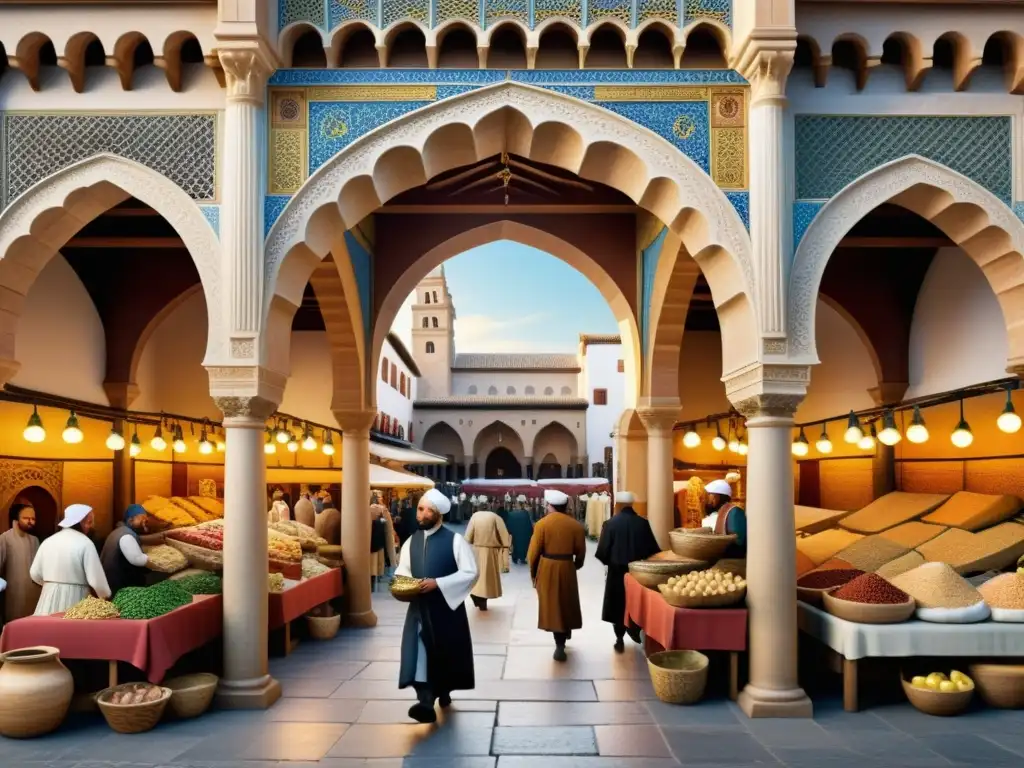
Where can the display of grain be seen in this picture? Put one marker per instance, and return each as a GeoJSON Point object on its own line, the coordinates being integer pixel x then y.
{"type": "Point", "coordinates": [937, 585]}
{"type": "Point", "coordinates": [872, 552]}
{"type": "Point", "coordinates": [913, 534]}
{"type": "Point", "coordinates": [1004, 591]}
{"type": "Point", "coordinates": [894, 568]}
{"type": "Point", "coordinates": [823, 546]}
{"type": "Point", "coordinates": [992, 549]}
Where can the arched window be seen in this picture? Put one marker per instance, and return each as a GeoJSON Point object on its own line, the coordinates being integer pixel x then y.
{"type": "Point", "coordinates": [510, 390]}
{"type": "Point", "coordinates": [472, 389]}
{"type": "Point", "coordinates": [434, 321]}
{"type": "Point", "coordinates": [492, 391]}
{"type": "Point", "coordinates": [566, 390]}
{"type": "Point", "coordinates": [430, 347]}
{"type": "Point", "coordinates": [426, 323]}
{"type": "Point", "coordinates": [401, 383]}
{"type": "Point", "coordinates": [384, 368]}
{"type": "Point", "coordinates": [427, 300]}
{"type": "Point", "coordinates": [530, 390]}
{"type": "Point", "coordinates": [549, 391]}
{"type": "Point", "coordinates": [435, 297]}
{"type": "Point", "coordinates": [394, 376]}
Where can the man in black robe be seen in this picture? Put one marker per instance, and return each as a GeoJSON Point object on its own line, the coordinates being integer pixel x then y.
{"type": "Point", "coordinates": [520, 527]}
{"type": "Point", "coordinates": [437, 649]}
{"type": "Point", "coordinates": [625, 538]}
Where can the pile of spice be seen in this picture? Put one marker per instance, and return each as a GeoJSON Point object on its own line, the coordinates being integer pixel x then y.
{"type": "Point", "coordinates": [872, 589]}
{"type": "Point", "coordinates": [92, 608]}
{"type": "Point", "coordinates": [1004, 591]}
{"type": "Point", "coordinates": [872, 552]}
{"type": "Point", "coordinates": [275, 582]}
{"type": "Point", "coordinates": [150, 602]}
{"type": "Point", "coordinates": [937, 585]}
{"type": "Point", "coordinates": [202, 584]}
{"type": "Point", "coordinates": [312, 567]}
{"type": "Point", "coordinates": [828, 578]}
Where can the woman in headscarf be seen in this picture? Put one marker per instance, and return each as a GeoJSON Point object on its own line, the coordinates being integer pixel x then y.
{"type": "Point", "coordinates": [124, 562]}
{"type": "Point", "coordinates": [67, 564]}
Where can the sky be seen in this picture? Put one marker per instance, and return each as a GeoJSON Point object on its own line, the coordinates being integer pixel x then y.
{"type": "Point", "coordinates": [513, 298]}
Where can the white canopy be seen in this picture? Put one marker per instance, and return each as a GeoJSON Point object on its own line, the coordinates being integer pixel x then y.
{"type": "Point", "coordinates": [380, 477]}
{"type": "Point", "coordinates": [395, 455]}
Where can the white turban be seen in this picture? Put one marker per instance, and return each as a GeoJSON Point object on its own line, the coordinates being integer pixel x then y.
{"type": "Point", "coordinates": [624, 497]}
{"type": "Point", "coordinates": [438, 501]}
{"type": "Point", "coordinates": [521, 498]}
{"type": "Point", "coordinates": [75, 514]}
{"type": "Point", "coordinates": [555, 498]}
{"type": "Point", "coordinates": [719, 488]}
{"type": "Point", "coordinates": [481, 499]}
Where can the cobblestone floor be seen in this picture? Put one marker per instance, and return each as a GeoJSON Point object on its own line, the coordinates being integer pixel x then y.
{"type": "Point", "coordinates": [342, 708]}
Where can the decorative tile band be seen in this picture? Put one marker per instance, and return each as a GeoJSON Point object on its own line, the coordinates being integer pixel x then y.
{"type": "Point", "coordinates": [1018, 208]}
{"type": "Point", "coordinates": [741, 202]}
{"type": "Point", "coordinates": [371, 93]}
{"type": "Point", "coordinates": [212, 214]}
{"type": "Point", "coordinates": [273, 206]}
{"type": "Point", "coordinates": [804, 212]}
{"type": "Point", "coordinates": [313, 77]}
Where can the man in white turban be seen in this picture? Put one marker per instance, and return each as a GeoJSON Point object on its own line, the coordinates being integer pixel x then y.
{"type": "Point", "coordinates": [67, 565]}
{"type": "Point", "coordinates": [437, 649]}
{"type": "Point", "coordinates": [726, 516]}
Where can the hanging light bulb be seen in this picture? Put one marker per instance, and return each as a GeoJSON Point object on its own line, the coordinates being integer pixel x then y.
{"type": "Point", "coordinates": [854, 431]}
{"type": "Point", "coordinates": [889, 434]}
{"type": "Point", "coordinates": [283, 435]}
{"type": "Point", "coordinates": [179, 440]}
{"type": "Point", "coordinates": [218, 440]}
{"type": "Point", "coordinates": [158, 443]}
{"type": "Point", "coordinates": [308, 441]}
{"type": "Point", "coordinates": [34, 431]}
{"type": "Point", "coordinates": [205, 446]}
{"type": "Point", "coordinates": [691, 439]}
{"type": "Point", "coordinates": [328, 446]}
{"type": "Point", "coordinates": [115, 440]}
{"type": "Point", "coordinates": [962, 435]}
{"type": "Point", "coordinates": [824, 445]}
{"type": "Point", "coordinates": [743, 448]}
{"type": "Point", "coordinates": [867, 440]}
{"type": "Point", "coordinates": [734, 441]}
{"type": "Point", "coordinates": [293, 444]}
{"type": "Point", "coordinates": [917, 432]}
{"type": "Point", "coordinates": [269, 447]}
{"type": "Point", "coordinates": [800, 445]}
{"type": "Point", "coordinates": [72, 432]}
{"type": "Point", "coordinates": [718, 442]}
{"type": "Point", "coordinates": [1008, 421]}
{"type": "Point", "coordinates": [135, 448]}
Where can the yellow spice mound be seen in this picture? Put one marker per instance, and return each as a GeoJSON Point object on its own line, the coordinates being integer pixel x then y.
{"type": "Point", "coordinates": [1004, 591]}
{"type": "Point", "coordinates": [937, 585]}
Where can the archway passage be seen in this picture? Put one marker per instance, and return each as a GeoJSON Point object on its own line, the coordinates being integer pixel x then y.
{"type": "Point", "coordinates": [502, 463]}
{"type": "Point", "coordinates": [549, 468]}
{"type": "Point", "coordinates": [45, 506]}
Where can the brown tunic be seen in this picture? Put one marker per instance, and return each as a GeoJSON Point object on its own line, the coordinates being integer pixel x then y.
{"type": "Point", "coordinates": [489, 537]}
{"type": "Point", "coordinates": [557, 549]}
{"type": "Point", "coordinates": [16, 554]}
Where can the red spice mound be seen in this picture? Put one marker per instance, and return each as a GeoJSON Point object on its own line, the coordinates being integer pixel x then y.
{"type": "Point", "coordinates": [830, 577]}
{"type": "Point", "coordinates": [871, 588]}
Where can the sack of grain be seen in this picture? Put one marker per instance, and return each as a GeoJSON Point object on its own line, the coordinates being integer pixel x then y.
{"type": "Point", "coordinates": [891, 510]}
{"type": "Point", "coordinates": [993, 549]}
{"type": "Point", "coordinates": [823, 546]}
{"type": "Point", "coordinates": [872, 552]}
{"type": "Point", "coordinates": [942, 595]}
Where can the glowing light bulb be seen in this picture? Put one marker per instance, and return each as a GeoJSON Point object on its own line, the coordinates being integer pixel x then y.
{"type": "Point", "coordinates": [734, 442]}
{"type": "Point", "coordinates": [135, 448]}
{"type": "Point", "coordinates": [824, 444]}
{"type": "Point", "coordinates": [34, 432]}
{"type": "Point", "coordinates": [205, 446]}
{"type": "Point", "coordinates": [691, 439]}
{"type": "Point", "coordinates": [800, 445]}
{"type": "Point", "coordinates": [889, 434]}
{"type": "Point", "coordinates": [179, 446]}
{"type": "Point", "coordinates": [220, 444]}
{"type": "Point", "coordinates": [158, 443]}
{"type": "Point", "coordinates": [293, 445]}
{"type": "Point", "coordinates": [962, 435]}
{"type": "Point", "coordinates": [115, 440]}
{"type": "Point", "coordinates": [269, 447]}
{"type": "Point", "coordinates": [309, 443]}
{"type": "Point", "coordinates": [72, 432]}
{"type": "Point", "coordinates": [718, 442]}
{"type": "Point", "coordinates": [743, 449]}
{"type": "Point", "coordinates": [867, 441]}
{"type": "Point", "coordinates": [917, 432]}
{"type": "Point", "coordinates": [1008, 421]}
{"type": "Point", "coordinates": [854, 432]}
{"type": "Point", "coordinates": [328, 448]}
{"type": "Point", "coordinates": [283, 436]}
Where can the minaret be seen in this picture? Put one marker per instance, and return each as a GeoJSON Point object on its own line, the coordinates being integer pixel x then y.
{"type": "Point", "coordinates": [433, 335]}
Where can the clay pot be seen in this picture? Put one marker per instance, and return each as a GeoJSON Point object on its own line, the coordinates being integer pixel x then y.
{"type": "Point", "coordinates": [35, 692]}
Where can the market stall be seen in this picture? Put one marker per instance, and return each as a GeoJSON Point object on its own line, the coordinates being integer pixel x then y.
{"type": "Point", "coordinates": [299, 598]}
{"type": "Point", "coordinates": [500, 487]}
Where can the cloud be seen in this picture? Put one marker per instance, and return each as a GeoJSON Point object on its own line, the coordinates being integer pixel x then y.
{"type": "Point", "coordinates": [484, 333]}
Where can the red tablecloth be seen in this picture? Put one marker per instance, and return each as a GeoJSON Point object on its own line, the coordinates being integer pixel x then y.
{"type": "Point", "coordinates": [292, 603]}
{"type": "Point", "coordinates": [151, 646]}
{"type": "Point", "coordinates": [705, 629]}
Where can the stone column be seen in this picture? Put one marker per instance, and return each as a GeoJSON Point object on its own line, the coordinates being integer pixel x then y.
{"type": "Point", "coordinates": [355, 515]}
{"type": "Point", "coordinates": [660, 502]}
{"type": "Point", "coordinates": [774, 688]}
{"type": "Point", "coordinates": [631, 456]}
{"type": "Point", "coordinates": [246, 683]}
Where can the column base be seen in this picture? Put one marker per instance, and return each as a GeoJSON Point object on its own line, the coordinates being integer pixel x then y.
{"type": "Point", "coordinates": [761, 702]}
{"type": "Point", "coordinates": [364, 620]}
{"type": "Point", "coordinates": [260, 693]}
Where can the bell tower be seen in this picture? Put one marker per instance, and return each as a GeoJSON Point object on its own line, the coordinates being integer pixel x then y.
{"type": "Point", "coordinates": [433, 335]}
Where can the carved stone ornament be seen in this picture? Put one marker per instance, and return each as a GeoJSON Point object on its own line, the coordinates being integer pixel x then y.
{"type": "Point", "coordinates": [855, 202]}
{"type": "Point", "coordinates": [245, 407]}
{"type": "Point", "coordinates": [775, 346]}
{"type": "Point", "coordinates": [243, 349]}
{"type": "Point", "coordinates": [769, 404]}
{"type": "Point", "coordinates": [589, 122]}
{"type": "Point", "coordinates": [658, 419]}
{"type": "Point", "coordinates": [16, 475]}
{"type": "Point", "coordinates": [767, 72]}
{"type": "Point", "coordinates": [247, 70]}
{"type": "Point", "coordinates": [355, 422]}
{"type": "Point", "coordinates": [135, 180]}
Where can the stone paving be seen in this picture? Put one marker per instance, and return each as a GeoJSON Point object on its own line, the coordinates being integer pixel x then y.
{"type": "Point", "coordinates": [342, 708]}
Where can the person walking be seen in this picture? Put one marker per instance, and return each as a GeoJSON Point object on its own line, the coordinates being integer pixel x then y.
{"type": "Point", "coordinates": [437, 648]}
{"type": "Point", "coordinates": [18, 548]}
{"type": "Point", "coordinates": [490, 539]}
{"type": "Point", "coordinates": [520, 527]}
{"type": "Point", "coordinates": [557, 551]}
{"type": "Point", "coordinates": [625, 538]}
{"type": "Point", "coordinates": [67, 565]}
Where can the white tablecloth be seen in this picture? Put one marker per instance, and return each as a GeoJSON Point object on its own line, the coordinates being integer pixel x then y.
{"type": "Point", "coordinates": [910, 638]}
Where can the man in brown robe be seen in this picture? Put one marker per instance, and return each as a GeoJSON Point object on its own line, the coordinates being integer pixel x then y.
{"type": "Point", "coordinates": [557, 549]}
{"type": "Point", "coordinates": [17, 551]}
{"type": "Point", "coordinates": [328, 522]}
{"type": "Point", "coordinates": [490, 539]}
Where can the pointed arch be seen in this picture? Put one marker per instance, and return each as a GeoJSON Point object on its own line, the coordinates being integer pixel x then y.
{"type": "Point", "coordinates": [37, 224]}
{"type": "Point", "coordinates": [971, 216]}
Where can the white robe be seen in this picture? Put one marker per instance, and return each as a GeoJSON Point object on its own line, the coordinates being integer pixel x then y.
{"type": "Point", "coordinates": [67, 566]}
{"type": "Point", "coordinates": [455, 588]}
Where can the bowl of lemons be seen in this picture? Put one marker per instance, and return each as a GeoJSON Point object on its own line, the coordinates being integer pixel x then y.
{"type": "Point", "coordinates": [940, 694]}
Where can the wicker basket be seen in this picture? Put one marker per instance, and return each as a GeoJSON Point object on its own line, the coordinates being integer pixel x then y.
{"type": "Point", "coordinates": [734, 565]}
{"type": "Point", "coordinates": [710, 601]}
{"type": "Point", "coordinates": [678, 677]}
{"type": "Point", "coordinates": [700, 546]}
{"type": "Point", "coordinates": [868, 613]}
{"type": "Point", "coordinates": [191, 695]}
{"type": "Point", "coordinates": [321, 628]}
{"type": "Point", "coordinates": [651, 573]}
{"type": "Point", "coordinates": [198, 557]}
{"type": "Point", "coordinates": [132, 718]}
{"type": "Point", "coordinates": [1000, 685]}
{"type": "Point", "coordinates": [936, 702]}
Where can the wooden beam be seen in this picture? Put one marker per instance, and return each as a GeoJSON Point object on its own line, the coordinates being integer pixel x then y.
{"type": "Point", "coordinates": [125, 242]}
{"type": "Point", "coordinates": [895, 242]}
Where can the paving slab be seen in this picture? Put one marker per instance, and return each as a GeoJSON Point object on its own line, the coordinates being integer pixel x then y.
{"type": "Point", "coordinates": [575, 713]}
{"type": "Point", "coordinates": [529, 740]}
{"type": "Point", "coordinates": [631, 741]}
{"type": "Point", "coordinates": [412, 740]}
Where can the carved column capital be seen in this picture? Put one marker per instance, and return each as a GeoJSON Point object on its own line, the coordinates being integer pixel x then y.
{"type": "Point", "coordinates": [769, 404]}
{"type": "Point", "coordinates": [768, 389]}
{"type": "Point", "coordinates": [767, 64]}
{"type": "Point", "coordinates": [246, 392]}
{"type": "Point", "coordinates": [245, 408]}
{"type": "Point", "coordinates": [246, 70]}
{"type": "Point", "coordinates": [355, 422]}
{"type": "Point", "coordinates": [658, 418]}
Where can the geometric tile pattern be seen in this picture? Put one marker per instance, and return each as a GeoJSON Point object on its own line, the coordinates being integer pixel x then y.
{"type": "Point", "coordinates": [566, 9]}
{"type": "Point", "coordinates": [395, 10]}
{"type": "Point", "coordinates": [657, 9]}
{"type": "Point", "coordinates": [622, 10]}
{"type": "Point", "coordinates": [804, 212]}
{"type": "Point", "coordinates": [741, 202]}
{"type": "Point", "coordinates": [495, 10]}
{"type": "Point", "coordinates": [615, 77]}
{"type": "Point", "coordinates": [444, 10]}
{"type": "Point", "coordinates": [685, 124]}
{"type": "Point", "coordinates": [649, 258]}
{"type": "Point", "coordinates": [273, 205]}
{"type": "Point", "coordinates": [181, 147]}
{"type": "Point", "coordinates": [212, 214]}
{"type": "Point", "coordinates": [349, 10]}
{"type": "Point", "coordinates": [333, 126]}
{"type": "Point", "coordinates": [1018, 208]}
{"type": "Point", "coordinates": [312, 11]}
{"type": "Point", "coordinates": [833, 151]}
{"type": "Point", "coordinates": [717, 10]}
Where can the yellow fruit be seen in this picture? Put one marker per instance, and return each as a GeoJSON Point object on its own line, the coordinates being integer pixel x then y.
{"type": "Point", "coordinates": [935, 678]}
{"type": "Point", "coordinates": [964, 685]}
{"type": "Point", "coordinates": [918, 682]}
{"type": "Point", "coordinates": [947, 686]}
